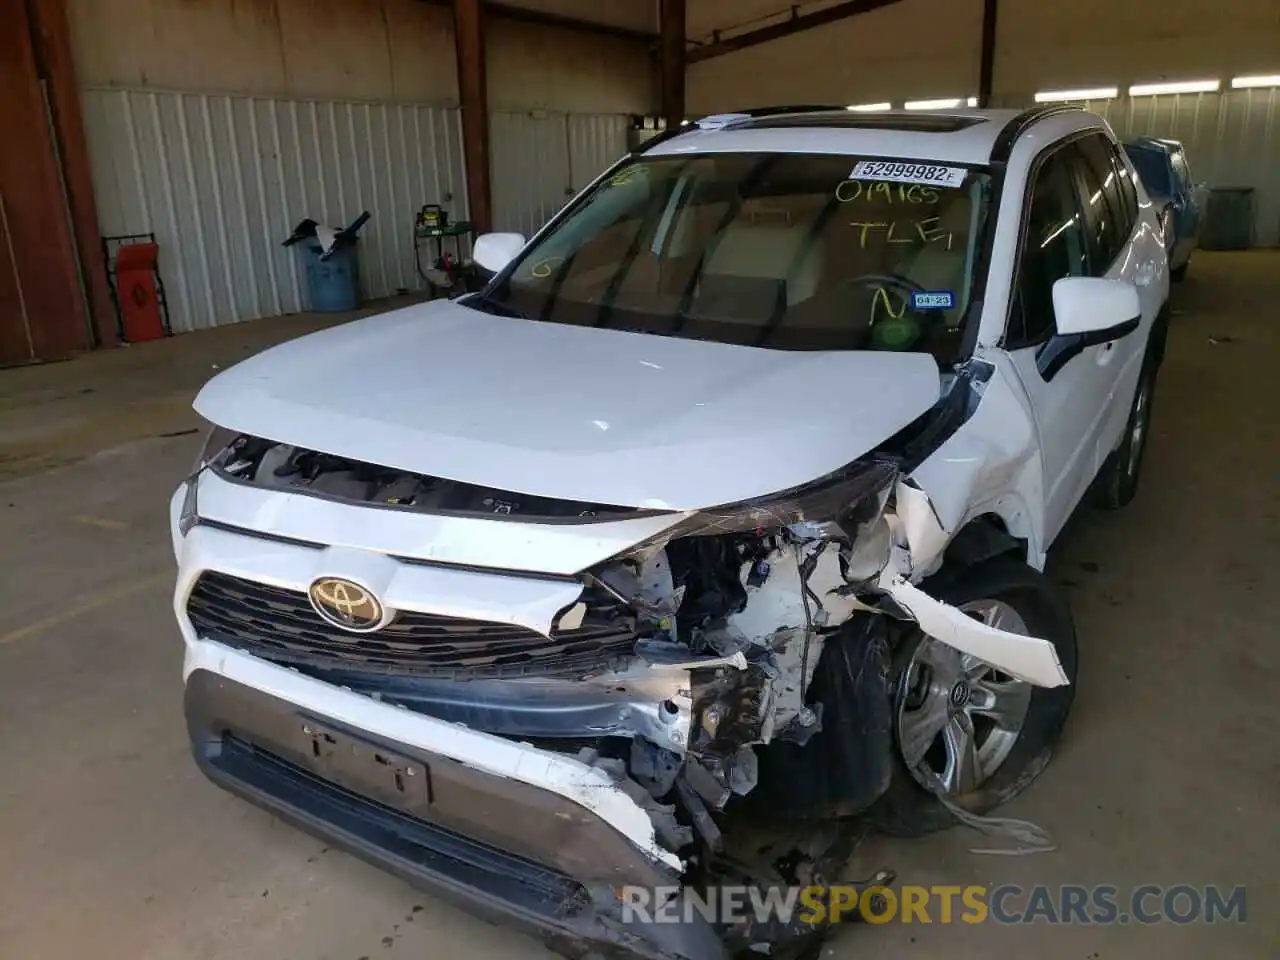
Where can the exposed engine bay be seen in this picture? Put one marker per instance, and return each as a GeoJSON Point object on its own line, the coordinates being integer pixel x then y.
{"type": "Point", "coordinates": [281, 466]}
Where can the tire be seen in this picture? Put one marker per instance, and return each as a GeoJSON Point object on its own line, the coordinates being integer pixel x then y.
{"type": "Point", "coordinates": [908, 809]}
{"type": "Point", "coordinates": [1178, 274]}
{"type": "Point", "coordinates": [1118, 480]}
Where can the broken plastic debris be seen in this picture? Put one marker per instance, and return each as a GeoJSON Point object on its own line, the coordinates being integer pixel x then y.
{"type": "Point", "coordinates": [1024, 657]}
{"type": "Point", "coordinates": [573, 619]}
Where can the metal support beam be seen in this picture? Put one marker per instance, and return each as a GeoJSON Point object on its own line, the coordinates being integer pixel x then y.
{"type": "Point", "coordinates": [796, 23]}
{"type": "Point", "coordinates": [671, 65]}
{"type": "Point", "coordinates": [468, 30]}
{"type": "Point", "coordinates": [987, 69]}
{"type": "Point", "coordinates": [53, 37]}
{"type": "Point", "coordinates": [525, 15]}
{"type": "Point", "coordinates": [542, 18]}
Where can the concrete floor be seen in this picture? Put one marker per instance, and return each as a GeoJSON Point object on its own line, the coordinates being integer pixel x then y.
{"type": "Point", "coordinates": [112, 846]}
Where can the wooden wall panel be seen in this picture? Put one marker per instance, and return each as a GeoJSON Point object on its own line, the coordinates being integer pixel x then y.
{"type": "Point", "coordinates": [42, 251]}
{"type": "Point", "coordinates": [15, 343]}
{"type": "Point", "coordinates": [54, 37]}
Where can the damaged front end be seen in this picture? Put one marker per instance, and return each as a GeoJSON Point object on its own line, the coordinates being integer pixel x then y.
{"type": "Point", "coordinates": [728, 677]}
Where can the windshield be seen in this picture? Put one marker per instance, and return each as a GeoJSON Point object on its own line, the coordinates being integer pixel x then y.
{"type": "Point", "coordinates": [787, 251]}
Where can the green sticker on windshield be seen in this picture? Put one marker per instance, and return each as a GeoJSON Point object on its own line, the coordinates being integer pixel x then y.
{"type": "Point", "coordinates": [896, 333]}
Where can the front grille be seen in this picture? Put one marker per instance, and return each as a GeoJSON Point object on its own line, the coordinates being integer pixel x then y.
{"type": "Point", "coordinates": [280, 625]}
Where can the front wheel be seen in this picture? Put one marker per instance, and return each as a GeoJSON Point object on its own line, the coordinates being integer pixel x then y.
{"type": "Point", "coordinates": [1118, 480]}
{"type": "Point", "coordinates": [964, 729]}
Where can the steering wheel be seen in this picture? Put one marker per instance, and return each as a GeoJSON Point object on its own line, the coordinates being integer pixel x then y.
{"type": "Point", "coordinates": [889, 330]}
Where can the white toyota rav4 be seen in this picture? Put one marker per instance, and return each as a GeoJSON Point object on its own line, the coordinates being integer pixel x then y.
{"type": "Point", "coordinates": [712, 525]}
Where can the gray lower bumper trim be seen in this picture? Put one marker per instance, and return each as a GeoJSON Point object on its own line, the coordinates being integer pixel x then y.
{"type": "Point", "coordinates": [494, 847]}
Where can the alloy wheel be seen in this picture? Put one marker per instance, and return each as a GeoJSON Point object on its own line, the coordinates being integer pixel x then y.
{"type": "Point", "coordinates": [1138, 428]}
{"type": "Point", "coordinates": [958, 718]}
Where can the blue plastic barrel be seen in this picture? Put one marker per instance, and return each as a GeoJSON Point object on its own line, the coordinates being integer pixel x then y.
{"type": "Point", "coordinates": [333, 284]}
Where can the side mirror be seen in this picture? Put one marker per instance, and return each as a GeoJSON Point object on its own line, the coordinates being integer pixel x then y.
{"type": "Point", "coordinates": [1105, 309]}
{"type": "Point", "coordinates": [493, 251]}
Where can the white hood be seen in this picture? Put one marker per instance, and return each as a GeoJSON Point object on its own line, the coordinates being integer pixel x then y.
{"type": "Point", "coordinates": [569, 412]}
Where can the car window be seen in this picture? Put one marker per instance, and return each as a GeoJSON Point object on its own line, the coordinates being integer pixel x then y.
{"type": "Point", "coordinates": [1105, 225]}
{"type": "Point", "coordinates": [1128, 191]}
{"type": "Point", "coordinates": [787, 251]}
{"type": "Point", "coordinates": [1054, 246]}
{"type": "Point", "coordinates": [1153, 169]}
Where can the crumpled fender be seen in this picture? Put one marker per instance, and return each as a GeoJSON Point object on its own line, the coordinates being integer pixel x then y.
{"type": "Point", "coordinates": [989, 465]}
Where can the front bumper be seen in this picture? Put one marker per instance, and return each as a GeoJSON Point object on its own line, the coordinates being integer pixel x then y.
{"type": "Point", "coordinates": [497, 846]}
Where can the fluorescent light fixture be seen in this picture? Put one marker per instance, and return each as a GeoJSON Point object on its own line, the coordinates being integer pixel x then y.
{"type": "Point", "coordinates": [1181, 86]}
{"type": "Point", "coordinates": [1241, 83]}
{"type": "Point", "coordinates": [869, 107]}
{"type": "Point", "coordinates": [971, 102]}
{"type": "Point", "coordinates": [933, 104]}
{"type": "Point", "coordinates": [1091, 93]}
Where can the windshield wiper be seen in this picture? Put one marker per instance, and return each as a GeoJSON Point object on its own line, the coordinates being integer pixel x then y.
{"type": "Point", "coordinates": [491, 306]}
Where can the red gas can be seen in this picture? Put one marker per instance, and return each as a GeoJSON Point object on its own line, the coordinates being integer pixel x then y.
{"type": "Point", "coordinates": [136, 283]}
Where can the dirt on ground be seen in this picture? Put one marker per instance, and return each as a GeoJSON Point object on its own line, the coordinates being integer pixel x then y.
{"type": "Point", "coordinates": [58, 413]}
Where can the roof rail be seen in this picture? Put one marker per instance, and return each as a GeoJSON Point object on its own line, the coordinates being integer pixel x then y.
{"type": "Point", "coordinates": [668, 134]}
{"type": "Point", "coordinates": [1016, 127]}
{"type": "Point", "coordinates": [752, 113]}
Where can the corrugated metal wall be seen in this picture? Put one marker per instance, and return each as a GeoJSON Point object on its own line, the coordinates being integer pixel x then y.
{"type": "Point", "coordinates": [595, 142]}
{"type": "Point", "coordinates": [529, 157]}
{"type": "Point", "coordinates": [222, 180]}
{"type": "Point", "coordinates": [1232, 140]}
{"type": "Point", "coordinates": [541, 159]}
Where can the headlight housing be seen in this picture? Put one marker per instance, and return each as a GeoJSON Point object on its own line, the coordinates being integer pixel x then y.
{"type": "Point", "coordinates": [832, 507]}
{"type": "Point", "coordinates": [217, 443]}
{"type": "Point", "coordinates": [847, 506]}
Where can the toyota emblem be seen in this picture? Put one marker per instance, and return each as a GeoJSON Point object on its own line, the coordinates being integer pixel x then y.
{"type": "Point", "coordinates": [347, 605]}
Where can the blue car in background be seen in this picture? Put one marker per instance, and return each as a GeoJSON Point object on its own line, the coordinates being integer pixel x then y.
{"type": "Point", "coordinates": [1162, 167]}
